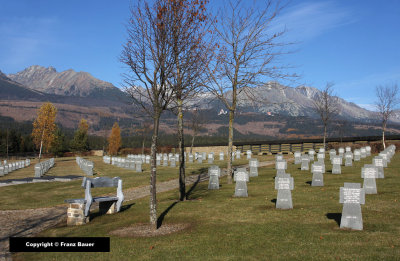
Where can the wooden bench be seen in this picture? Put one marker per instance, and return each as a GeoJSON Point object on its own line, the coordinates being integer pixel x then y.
{"type": "Point", "coordinates": [79, 209]}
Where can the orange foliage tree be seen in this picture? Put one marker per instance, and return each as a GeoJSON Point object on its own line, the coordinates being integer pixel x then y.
{"type": "Point", "coordinates": [114, 141]}
{"type": "Point", "coordinates": [44, 127]}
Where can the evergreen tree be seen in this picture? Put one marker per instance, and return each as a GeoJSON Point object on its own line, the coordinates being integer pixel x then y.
{"type": "Point", "coordinates": [80, 141]}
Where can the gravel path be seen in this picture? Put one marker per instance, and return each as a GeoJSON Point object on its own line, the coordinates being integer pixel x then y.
{"type": "Point", "coordinates": [29, 222]}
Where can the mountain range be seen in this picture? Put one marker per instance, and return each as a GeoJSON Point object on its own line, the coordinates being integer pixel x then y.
{"type": "Point", "coordinates": [79, 94]}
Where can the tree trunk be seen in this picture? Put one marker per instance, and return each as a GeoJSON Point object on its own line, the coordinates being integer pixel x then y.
{"type": "Point", "coordinates": [41, 146]}
{"type": "Point", "coordinates": [153, 174]}
{"type": "Point", "coordinates": [383, 135]}
{"type": "Point", "coordinates": [181, 144]}
{"type": "Point", "coordinates": [324, 136]}
{"type": "Point", "coordinates": [191, 147]}
{"type": "Point", "coordinates": [143, 145]}
{"type": "Point", "coordinates": [230, 146]}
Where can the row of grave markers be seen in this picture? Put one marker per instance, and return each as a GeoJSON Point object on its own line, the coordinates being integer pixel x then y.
{"type": "Point", "coordinates": [241, 177]}
{"type": "Point", "coordinates": [126, 163]}
{"type": "Point", "coordinates": [6, 168]}
{"type": "Point", "coordinates": [86, 165]}
{"type": "Point", "coordinates": [42, 167]}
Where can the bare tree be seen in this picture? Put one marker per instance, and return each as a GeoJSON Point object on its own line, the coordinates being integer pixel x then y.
{"type": "Point", "coordinates": [248, 52]}
{"type": "Point", "coordinates": [196, 122]}
{"type": "Point", "coordinates": [386, 104]}
{"type": "Point", "coordinates": [143, 131]}
{"type": "Point", "coordinates": [148, 56]}
{"type": "Point", "coordinates": [189, 24]}
{"type": "Point", "coordinates": [327, 107]}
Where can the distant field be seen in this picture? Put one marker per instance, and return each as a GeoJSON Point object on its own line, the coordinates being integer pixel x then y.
{"type": "Point", "coordinates": [222, 227]}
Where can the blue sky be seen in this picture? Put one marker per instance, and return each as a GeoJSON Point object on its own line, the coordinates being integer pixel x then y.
{"type": "Point", "coordinates": [355, 44]}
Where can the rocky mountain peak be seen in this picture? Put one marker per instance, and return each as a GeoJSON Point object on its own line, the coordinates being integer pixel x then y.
{"type": "Point", "coordinates": [69, 82]}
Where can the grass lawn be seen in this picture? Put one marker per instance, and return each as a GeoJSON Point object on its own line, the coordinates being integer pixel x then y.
{"type": "Point", "coordinates": [222, 227]}
{"type": "Point", "coordinates": [47, 194]}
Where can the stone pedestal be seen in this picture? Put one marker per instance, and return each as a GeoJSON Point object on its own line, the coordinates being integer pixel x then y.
{"type": "Point", "coordinates": [76, 215]}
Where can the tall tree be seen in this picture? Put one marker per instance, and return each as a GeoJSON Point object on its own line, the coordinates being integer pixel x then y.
{"type": "Point", "coordinates": [114, 141]}
{"type": "Point", "coordinates": [327, 107]}
{"type": "Point", "coordinates": [248, 51]}
{"type": "Point", "coordinates": [196, 122]}
{"type": "Point", "coordinates": [387, 102]}
{"type": "Point", "coordinates": [188, 30]}
{"type": "Point", "coordinates": [44, 127]}
{"type": "Point", "coordinates": [80, 141]}
{"type": "Point", "coordinates": [148, 56]}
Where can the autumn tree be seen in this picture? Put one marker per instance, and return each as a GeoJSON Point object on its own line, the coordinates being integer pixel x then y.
{"type": "Point", "coordinates": [187, 35]}
{"type": "Point", "coordinates": [249, 48]}
{"type": "Point", "coordinates": [148, 57]}
{"type": "Point", "coordinates": [114, 141]}
{"type": "Point", "coordinates": [386, 104]}
{"type": "Point", "coordinates": [80, 141]}
{"type": "Point", "coordinates": [326, 105]}
{"type": "Point", "coordinates": [44, 127]}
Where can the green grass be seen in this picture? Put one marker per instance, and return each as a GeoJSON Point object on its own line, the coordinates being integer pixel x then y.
{"type": "Point", "coordinates": [226, 228]}
{"type": "Point", "coordinates": [47, 194]}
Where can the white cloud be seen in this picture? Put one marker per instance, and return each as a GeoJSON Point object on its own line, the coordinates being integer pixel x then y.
{"type": "Point", "coordinates": [310, 19]}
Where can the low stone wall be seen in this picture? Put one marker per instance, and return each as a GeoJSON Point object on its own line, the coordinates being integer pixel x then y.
{"type": "Point", "coordinates": [215, 149]}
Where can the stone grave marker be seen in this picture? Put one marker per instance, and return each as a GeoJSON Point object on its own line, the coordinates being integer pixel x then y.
{"type": "Point", "coordinates": [318, 177]}
{"type": "Point", "coordinates": [349, 159]}
{"type": "Point", "coordinates": [357, 155]}
{"type": "Point", "coordinates": [321, 150]}
{"type": "Point", "coordinates": [363, 152]}
{"type": "Point", "coordinates": [248, 154]}
{"type": "Point", "coordinates": [321, 157]}
{"type": "Point", "coordinates": [305, 162]}
{"type": "Point", "coordinates": [214, 172]}
{"type": "Point", "coordinates": [210, 158]}
{"type": "Point", "coordinates": [280, 166]}
{"type": "Point", "coordinates": [368, 151]}
{"type": "Point", "coordinates": [352, 196]}
{"type": "Point", "coordinates": [385, 158]}
{"type": "Point", "coordinates": [204, 156]}
{"type": "Point", "coordinates": [284, 184]}
{"type": "Point", "coordinates": [369, 173]}
{"type": "Point", "coordinates": [297, 157]}
{"type": "Point", "coordinates": [336, 165]}
{"type": "Point", "coordinates": [253, 164]}
{"type": "Point", "coordinates": [158, 160]}
{"type": "Point", "coordinates": [341, 151]}
{"type": "Point", "coordinates": [138, 165]}
{"type": "Point", "coordinates": [190, 158]}
{"type": "Point", "coordinates": [278, 157]}
{"type": "Point", "coordinates": [221, 156]}
{"type": "Point", "coordinates": [165, 160]}
{"type": "Point", "coordinates": [200, 158]}
{"type": "Point", "coordinates": [147, 159]}
{"type": "Point", "coordinates": [311, 154]}
{"type": "Point", "coordinates": [238, 154]}
{"type": "Point", "coordinates": [332, 153]}
{"type": "Point", "coordinates": [377, 161]}
{"type": "Point", "coordinates": [173, 161]}
{"type": "Point", "coordinates": [241, 178]}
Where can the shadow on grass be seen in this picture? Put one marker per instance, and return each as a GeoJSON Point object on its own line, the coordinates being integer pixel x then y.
{"type": "Point", "coordinates": [308, 182]}
{"type": "Point", "coordinates": [273, 200]}
{"type": "Point", "coordinates": [99, 213]}
{"type": "Point", "coordinates": [160, 219]}
{"type": "Point", "coordinates": [335, 216]}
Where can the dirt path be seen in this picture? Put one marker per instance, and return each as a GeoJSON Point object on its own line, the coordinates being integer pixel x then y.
{"type": "Point", "coordinates": [29, 222]}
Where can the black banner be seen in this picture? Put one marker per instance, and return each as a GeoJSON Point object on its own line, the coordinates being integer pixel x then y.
{"type": "Point", "coordinates": [59, 244]}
